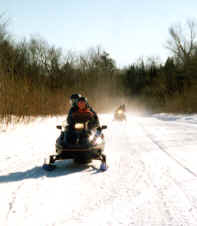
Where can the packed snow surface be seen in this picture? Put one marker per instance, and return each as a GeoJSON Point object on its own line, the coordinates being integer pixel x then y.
{"type": "Point", "coordinates": [151, 180]}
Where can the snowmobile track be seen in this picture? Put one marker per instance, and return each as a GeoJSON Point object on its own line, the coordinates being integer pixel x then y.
{"type": "Point", "coordinates": [167, 153]}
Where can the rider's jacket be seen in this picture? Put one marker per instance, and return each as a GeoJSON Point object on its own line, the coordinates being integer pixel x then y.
{"type": "Point", "coordinates": [88, 109]}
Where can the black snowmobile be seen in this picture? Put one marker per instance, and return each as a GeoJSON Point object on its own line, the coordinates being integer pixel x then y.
{"type": "Point", "coordinates": [81, 141]}
{"type": "Point", "coordinates": [120, 115]}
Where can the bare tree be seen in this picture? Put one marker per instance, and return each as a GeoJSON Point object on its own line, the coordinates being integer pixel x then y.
{"type": "Point", "coordinates": [3, 27]}
{"type": "Point", "coordinates": [182, 43]}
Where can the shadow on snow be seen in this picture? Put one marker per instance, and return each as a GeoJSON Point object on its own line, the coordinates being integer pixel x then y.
{"type": "Point", "coordinates": [63, 168]}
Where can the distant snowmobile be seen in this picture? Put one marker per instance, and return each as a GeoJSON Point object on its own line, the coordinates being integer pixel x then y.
{"type": "Point", "coordinates": [119, 114]}
{"type": "Point", "coordinates": [79, 142]}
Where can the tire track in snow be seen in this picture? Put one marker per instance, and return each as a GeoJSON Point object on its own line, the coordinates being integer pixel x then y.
{"type": "Point", "coordinates": [177, 214]}
{"type": "Point", "coordinates": [192, 210]}
{"type": "Point", "coordinates": [17, 190]}
{"type": "Point", "coordinates": [13, 200]}
{"type": "Point", "coordinates": [164, 151]}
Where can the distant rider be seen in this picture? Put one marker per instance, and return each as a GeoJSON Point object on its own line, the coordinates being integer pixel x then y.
{"type": "Point", "coordinates": [122, 108]}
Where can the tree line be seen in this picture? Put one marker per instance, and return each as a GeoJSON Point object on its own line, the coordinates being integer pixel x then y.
{"type": "Point", "coordinates": [37, 78]}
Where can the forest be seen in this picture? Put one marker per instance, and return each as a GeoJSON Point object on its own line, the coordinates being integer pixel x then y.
{"type": "Point", "coordinates": [37, 79]}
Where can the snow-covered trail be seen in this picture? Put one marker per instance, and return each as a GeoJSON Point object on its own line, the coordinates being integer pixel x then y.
{"type": "Point", "coordinates": [151, 180]}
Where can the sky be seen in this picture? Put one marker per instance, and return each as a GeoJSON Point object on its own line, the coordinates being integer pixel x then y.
{"type": "Point", "coordinates": [126, 29]}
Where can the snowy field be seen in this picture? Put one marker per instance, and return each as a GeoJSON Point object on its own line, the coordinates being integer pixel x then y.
{"type": "Point", "coordinates": [151, 180]}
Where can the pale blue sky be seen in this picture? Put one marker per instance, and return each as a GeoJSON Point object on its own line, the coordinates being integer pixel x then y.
{"type": "Point", "coordinates": [126, 29]}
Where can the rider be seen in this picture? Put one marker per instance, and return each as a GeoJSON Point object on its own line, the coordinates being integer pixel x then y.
{"type": "Point", "coordinates": [84, 107]}
{"type": "Point", "coordinates": [122, 108]}
{"type": "Point", "coordinates": [80, 104]}
{"type": "Point", "coordinates": [73, 101]}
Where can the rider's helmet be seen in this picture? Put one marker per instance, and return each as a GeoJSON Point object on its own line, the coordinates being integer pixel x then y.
{"type": "Point", "coordinates": [74, 98]}
{"type": "Point", "coordinates": [86, 100]}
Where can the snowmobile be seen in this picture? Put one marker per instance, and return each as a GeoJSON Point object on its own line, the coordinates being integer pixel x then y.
{"type": "Point", "coordinates": [119, 115]}
{"type": "Point", "coordinates": [81, 141]}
